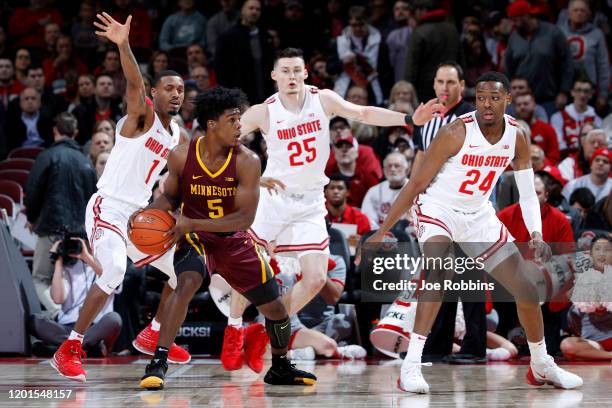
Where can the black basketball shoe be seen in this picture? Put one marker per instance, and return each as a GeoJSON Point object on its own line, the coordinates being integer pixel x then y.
{"type": "Point", "coordinates": [154, 375]}
{"type": "Point", "coordinates": [283, 372]}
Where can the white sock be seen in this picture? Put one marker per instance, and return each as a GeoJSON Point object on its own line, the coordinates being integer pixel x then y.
{"type": "Point", "coordinates": [236, 322]}
{"type": "Point", "coordinates": [537, 350]}
{"type": "Point", "coordinates": [75, 336]}
{"type": "Point", "coordinates": [415, 348]}
{"type": "Point", "coordinates": [155, 325]}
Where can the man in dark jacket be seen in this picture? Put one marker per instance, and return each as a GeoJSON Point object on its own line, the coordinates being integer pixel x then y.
{"type": "Point", "coordinates": [434, 41]}
{"type": "Point", "coordinates": [244, 55]}
{"type": "Point", "coordinates": [59, 186]}
{"type": "Point", "coordinates": [29, 125]}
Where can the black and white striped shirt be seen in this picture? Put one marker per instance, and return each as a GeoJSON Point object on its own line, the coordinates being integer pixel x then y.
{"type": "Point", "coordinates": [423, 135]}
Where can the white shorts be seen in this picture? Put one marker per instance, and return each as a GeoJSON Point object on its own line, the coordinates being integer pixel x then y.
{"type": "Point", "coordinates": [479, 234]}
{"type": "Point", "coordinates": [295, 221]}
{"type": "Point", "coordinates": [106, 223]}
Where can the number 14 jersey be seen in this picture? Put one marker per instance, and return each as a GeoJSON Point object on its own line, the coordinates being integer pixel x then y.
{"type": "Point", "coordinates": [298, 144]}
{"type": "Point", "coordinates": [466, 180]}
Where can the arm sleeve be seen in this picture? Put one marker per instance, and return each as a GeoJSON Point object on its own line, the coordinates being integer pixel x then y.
{"type": "Point", "coordinates": [528, 200]}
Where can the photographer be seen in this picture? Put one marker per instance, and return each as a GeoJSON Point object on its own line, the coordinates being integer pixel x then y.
{"type": "Point", "coordinates": [75, 272]}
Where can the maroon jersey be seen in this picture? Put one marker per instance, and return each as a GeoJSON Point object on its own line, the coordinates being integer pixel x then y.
{"type": "Point", "coordinates": [207, 195]}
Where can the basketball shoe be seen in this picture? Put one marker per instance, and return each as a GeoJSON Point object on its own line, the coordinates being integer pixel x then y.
{"type": "Point", "coordinates": [255, 342]}
{"type": "Point", "coordinates": [547, 371]}
{"type": "Point", "coordinates": [154, 375]}
{"type": "Point", "coordinates": [231, 353]}
{"type": "Point", "coordinates": [411, 379]}
{"type": "Point", "coordinates": [283, 372]}
{"type": "Point", "coordinates": [146, 341]}
{"type": "Point", "coordinates": [67, 360]}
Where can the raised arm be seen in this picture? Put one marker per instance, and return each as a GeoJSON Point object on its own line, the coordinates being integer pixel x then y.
{"type": "Point", "coordinates": [334, 105]}
{"type": "Point", "coordinates": [139, 112]}
{"type": "Point", "coordinates": [446, 144]}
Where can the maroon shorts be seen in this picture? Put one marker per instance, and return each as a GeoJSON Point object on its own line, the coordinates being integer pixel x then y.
{"type": "Point", "coordinates": [235, 257]}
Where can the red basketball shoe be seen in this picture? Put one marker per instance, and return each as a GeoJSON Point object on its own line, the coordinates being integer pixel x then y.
{"type": "Point", "coordinates": [67, 360]}
{"type": "Point", "coordinates": [146, 342]}
{"type": "Point", "coordinates": [255, 341]}
{"type": "Point", "coordinates": [231, 354]}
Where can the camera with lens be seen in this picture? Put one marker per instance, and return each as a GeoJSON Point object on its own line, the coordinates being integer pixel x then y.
{"type": "Point", "coordinates": [69, 245]}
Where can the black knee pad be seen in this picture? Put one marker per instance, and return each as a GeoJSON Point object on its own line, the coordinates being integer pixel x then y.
{"type": "Point", "coordinates": [279, 332]}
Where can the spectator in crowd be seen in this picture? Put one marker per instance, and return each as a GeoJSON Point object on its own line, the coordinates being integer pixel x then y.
{"type": "Point", "coordinates": [82, 31]}
{"type": "Point", "coordinates": [317, 72]}
{"type": "Point", "coordinates": [520, 86]}
{"type": "Point", "coordinates": [23, 59]}
{"type": "Point", "coordinates": [588, 48]}
{"type": "Point", "coordinates": [222, 21]}
{"type": "Point", "coordinates": [600, 215]}
{"type": "Point", "coordinates": [62, 72]}
{"type": "Point", "coordinates": [71, 281]}
{"type": "Point", "coordinates": [244, 56]}
{"type": "Point", "coordinates": [538, 51]}
{"type": "Point", "coordinates": [379, 198]}
{"type": "Point", "coordinates": [498, 28]}
{"type": "Point", "coordinates": [86, 88]}
{"type": "Point", "coordinates": [538, 157]}
{"type": "Point", "coordinates": [27, 24]}
{"type": "Point", "coordinates": [102, 106]}
{"type": "Point", "coordinates": [579, 163]}
{"type": "Point", "coordinates": [185, 27]}
{"type": "Point", "coordinates": [59, 186]}
{"type": "Point", "coordinates": [569, 121]}
{"type": "Point", "coordinates": [598, 181]}
{"type": "Point", "coordinates": [554, 186]}
{"type": "Point", "coordinates": [365, 134]}
{"type": "Point", "coordinates": [404, 91]}
{"type": "Point", "coordinates": [362, 170]}
{"type": "Point", "coordinates": [3, 47]}
{"type": "Point", "coordinates": [296, 31]}
{"type": "Point", "coordinates": [477, 61]}
{"type": "Point", "coordinates": [542, 133]}
{"type": "Point", "coordinates": [591, 314]}
{"type": "Point", "coordinates": [363, 58]}
{"type": "Point", "coordinates": [99, 141]}
{"type": "Point", "coordinates": [555, 226]}
{"type": "Point", "coordinates": [29, 125]}
{"type": "Point", "coordinates": [51, 104]}
{"type": "Point", "coordinates": [448, 85]}
{"type": "Point", "coordinates": [9, 87]}
{"type": "Point", "coordinates": [334, 18]}
{"type": "Point", "coordinates": [583, 200]}
{"type": "Point", "coordinates": [107, 126]}
{"type": "Point", "coordinates": [100, 162]}
{"type": "Point", "coordinates": [157, 63]}
{"type": "Point", "coordinates": [111, 65]}
{"type": "Point", "coordinates": [52, 34]}
{"type": "Point", "coordinates": [200, 77]}
{"type": "Point", "coordinates": [140, 28]}
{"type": "Point", "coordinates": [187, 107]}
{"type": "Point", "coordinates": [399, 38]}
{"type": "Point", "coordinates": [340, 212]}
{"type": "Point", "coordinates": [434, 41]}
{"type": "Point", "coordinates": [195, 57]}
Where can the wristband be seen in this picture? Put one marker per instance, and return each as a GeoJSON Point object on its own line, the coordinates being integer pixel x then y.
{"type": "Point", "coordinates": [408, 120]}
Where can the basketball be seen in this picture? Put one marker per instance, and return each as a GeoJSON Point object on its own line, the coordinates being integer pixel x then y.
{"type": "Point", "coordinates": [148, 229]}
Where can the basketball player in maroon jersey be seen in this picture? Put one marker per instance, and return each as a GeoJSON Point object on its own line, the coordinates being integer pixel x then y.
{"type": "Point", "coordinates": [215, 181]}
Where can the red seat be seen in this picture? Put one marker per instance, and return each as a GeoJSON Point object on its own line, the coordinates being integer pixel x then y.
{"type": "Point", "coordinates": [12, 189]}
{"type": "Point", "coordinates": [20, 176]}
{"type": "Point", "coordinates": [25, 152]}
{"type": "Point", "coordinates": [7, 204]}
{"type": "Point", "coordinates": [17, 164]}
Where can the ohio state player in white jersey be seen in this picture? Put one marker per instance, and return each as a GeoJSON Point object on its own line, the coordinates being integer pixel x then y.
{"type": "Point", "coordinates": [144, 138]}
{"type": "Point", "coordinates": [295, 126]}
{"type": "Point", "coordinates": [450, 193]}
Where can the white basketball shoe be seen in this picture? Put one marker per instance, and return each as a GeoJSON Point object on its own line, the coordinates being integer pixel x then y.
{"type": "Point", "coordinates": [547, 371]}
{"type": "Point", "coordinates": [411, 379]}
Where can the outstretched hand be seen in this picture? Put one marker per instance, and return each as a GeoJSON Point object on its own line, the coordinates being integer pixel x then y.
{"type": "Point", "coordinates": [426, 112]}
{"type": "Point", "coordinates": [111, 29]}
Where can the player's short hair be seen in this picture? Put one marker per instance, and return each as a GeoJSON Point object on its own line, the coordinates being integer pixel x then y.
{"type": "Point", "coordinates": [67, 124]}
{"type": "Point", "coordinates": [339, 177]}
{"type": "Point", "coordinates": [452, 64]}
{"type": "Point", "coordinates": [165, 73]}
{"type": "Point", "coordinates": [493, 76]}
{"type": "Point", "coordinates": [289, 53]}
{"type": "Point", "coordinates": [210, 104]}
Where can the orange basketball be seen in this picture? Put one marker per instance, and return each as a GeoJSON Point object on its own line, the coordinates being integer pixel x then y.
{"type": "Point", "coordinates": [148, 229]}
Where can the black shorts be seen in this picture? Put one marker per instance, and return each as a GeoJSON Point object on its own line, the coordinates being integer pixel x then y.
{"type": "Point", "coordinates": [235, 257]}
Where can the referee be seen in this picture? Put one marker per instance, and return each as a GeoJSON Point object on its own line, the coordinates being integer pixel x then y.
{"type": "Point", "coordinates": [448, 86]}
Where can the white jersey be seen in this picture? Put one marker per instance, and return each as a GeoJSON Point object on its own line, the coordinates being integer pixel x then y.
{"type": "Point", "coordinates": [298, 144]}
{"type": "Point", "coordinates": [377, 202]}
{"type": "Point", "coordinates": [466, 180]}
{"type": "Point", "coordinates": [134, 164]}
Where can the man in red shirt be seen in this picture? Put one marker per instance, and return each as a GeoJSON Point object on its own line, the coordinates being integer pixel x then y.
{"type": "Point", "coordinates": [338, 211]}
{"type": "Point", "coordinates": [555, 226]}
{"type": "Point", "coordinates": [360, 166]}
{"type": "Point", "coordinates": [542, 133]}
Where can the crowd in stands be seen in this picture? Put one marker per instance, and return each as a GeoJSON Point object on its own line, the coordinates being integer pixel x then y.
{"type": "Point", "coordinates": [62, 89]}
